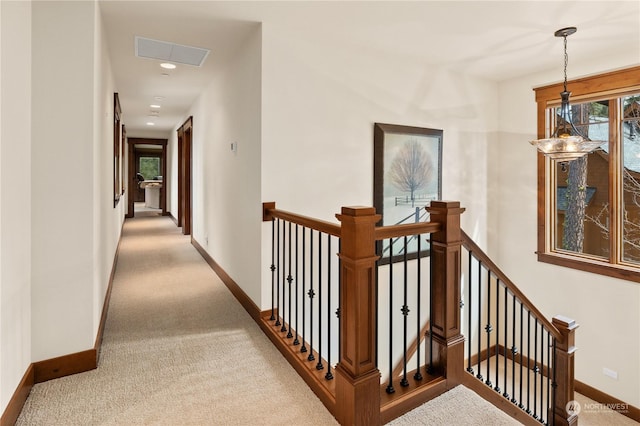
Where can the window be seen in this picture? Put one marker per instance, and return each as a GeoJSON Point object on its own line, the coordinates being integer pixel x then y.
{"type": "Point", "coordinates": [150, 167]}
{"type": "Point", "coordinates": [589, 209]}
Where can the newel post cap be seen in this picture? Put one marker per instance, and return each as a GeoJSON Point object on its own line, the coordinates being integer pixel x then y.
{"type": "Point", "coordinates": [266, 210]}
{"type": "Point", "coordinates": [357, 211]}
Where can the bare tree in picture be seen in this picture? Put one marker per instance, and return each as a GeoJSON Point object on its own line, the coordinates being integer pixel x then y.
{"type": "Point", "coordinates": [411, 169]}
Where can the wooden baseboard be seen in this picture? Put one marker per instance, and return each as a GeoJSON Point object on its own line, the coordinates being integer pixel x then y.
{"type": "Point", "coordinates": [107, 300]}
{"type": "Point", "coordinates": [65, 365]}
{"type": "Point", "coordinates": [235, 289]}
{"type": "Point", "coordinates": [173, 218]}
{"type": "Point", "coordinates": [608, 400]}
{"type": "Point", "coordinates": [61, 366]}
{"type": "Point", "coordinates": [42, 371]}
{"type": "Point", "coordinates": [14, 408]}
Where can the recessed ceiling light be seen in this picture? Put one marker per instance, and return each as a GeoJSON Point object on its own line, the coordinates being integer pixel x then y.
{"type": "Point", "coordinates": [158, 98]}
{"type": "Point", "coordinates": [164, 74]}
{"type": "Point", "coordinates": [154, 106]}
{"type": "Point", "coordinates": [168, 66]}
{"type": "Point", "coordinates": [149, 123]}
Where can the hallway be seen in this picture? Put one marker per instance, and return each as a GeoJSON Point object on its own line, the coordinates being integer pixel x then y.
{"type": "Point", "coordinates": [177, 349]}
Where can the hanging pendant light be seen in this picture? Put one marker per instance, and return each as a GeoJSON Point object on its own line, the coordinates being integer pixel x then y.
{"type": "Point", "coordinates": [566, 143]}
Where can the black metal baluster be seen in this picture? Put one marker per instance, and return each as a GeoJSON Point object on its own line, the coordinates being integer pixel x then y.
{"type": "Point", "coordinates": [295, 340]}
{"type": "Point", "coordinates": [479, 375]}
{"type": "Point", "coordinates": [319, 365]}
{"type": "Point", "coordinates": [514, 352]}
{"type": "Point", "coordinates": [311, 294]}
{"type": "Point", "coordinates": [338, 312]}
{"type": "Point", "coordinates": [284, 279]}
{"type": "Point", "coordinates": [303, 349]}
{"type": "Point", "coordinates": [289, 281]}
{"type": "Point", "coordinates": [488, 329]}
{"type": "Point", "coordinates": [506, 347]}
{"type": "Point", "coordinates": [405, 312]}
{"type": "Point", "coordinates": [329, 376]}
{"type": "Point", "coordinates": [379, 249]}
{"type": "Point", "coordinates": [278, 277]}
{"type": "Point", "coordinates": [497, 386]}
{"type": "Point", "coordinates": [470, 303]}
{"type": "Point", "coordinates": [418, 375]}
{"type": "Point", "coordinates": [431, 265]}
{"type": "Point", "coordinates": [521, 341]}
{"type": "Point", "coordinates": [273, 268]}
{"type": "Point", "coordinates": [548, 374]}
{"type": "Point", "coordinates": [535, 370]}
{"type": "Point", "coordinates": [390, 388]}
{"type": "Point", "coordinates": [528, 411]}
{"type": "Point", "coordinates": [554, 385]}
{"type": "Point", "coordinates": [541, 420]}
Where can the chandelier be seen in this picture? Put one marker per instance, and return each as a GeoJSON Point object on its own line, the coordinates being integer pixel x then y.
{"type": "Point", "coordinates": [566, 143]}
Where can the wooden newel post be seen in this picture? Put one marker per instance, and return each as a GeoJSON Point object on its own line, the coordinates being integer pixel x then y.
{"type": "Point", "coordinates": [357, 377]}
{"type": "Point", "coordinates": [448, 343]}
{"type": "Point", "coordinates": [564, 364]}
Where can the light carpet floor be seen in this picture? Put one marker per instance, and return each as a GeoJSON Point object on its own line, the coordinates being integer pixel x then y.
{"type": "Point", "coordinates": [179, 350]}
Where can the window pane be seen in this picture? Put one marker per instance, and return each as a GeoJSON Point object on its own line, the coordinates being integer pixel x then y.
{"type": "Point", "coordinates": [582, 188]}
{"type": "Point", "coordinates": [149, 167]}
{"type": "Point", "coordinates": [631, 178]}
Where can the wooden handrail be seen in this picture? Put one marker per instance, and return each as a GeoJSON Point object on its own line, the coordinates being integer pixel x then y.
{"type": "Point", "coordinates": [381, 232]}
{"type": "Point", "coordinates": [270, 213]}
{"type": "Point", "coordinates": [393, 231]}
{"type": "Point", "coordinates": [472, 247]}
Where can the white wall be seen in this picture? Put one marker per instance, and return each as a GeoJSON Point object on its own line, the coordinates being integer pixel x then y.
{"type": "Point", "coordinates": [607, 309]}
{"type": "Point", "coordinates": [226, 190]}
{"type": "Point", "coordinates": [321, 99]}
{"type": "Point", "coordinates": [107, 220]}
{"type": "Point", "coordinates": [62, 170]}
{"type": "Point", "coordinates": [15, 204]}
{"type": "Point", "coordinates": [58, 227]}
{"type": "Point", "coordinates": [74, 225]}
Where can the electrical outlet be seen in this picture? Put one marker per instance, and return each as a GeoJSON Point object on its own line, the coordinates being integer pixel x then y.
{"type": "Point", "coordinates": [610, 373]}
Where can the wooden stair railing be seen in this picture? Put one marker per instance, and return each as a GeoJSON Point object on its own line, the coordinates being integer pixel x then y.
{"type": "Point", "coordinates": [354, 395]}
{"type": "Point", "coordinates": [350, 388]}
{"type": "Point", "coordinates": [558, 367]}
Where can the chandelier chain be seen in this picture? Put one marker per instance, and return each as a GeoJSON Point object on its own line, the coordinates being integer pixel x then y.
{"type": "Point", "coordinates": [566, 62]}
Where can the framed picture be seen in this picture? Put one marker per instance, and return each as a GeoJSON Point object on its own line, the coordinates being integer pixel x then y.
{"type": "Point", "coordinates": [407, 176]}
{"type": "Point", "coordinates": [117, 151]}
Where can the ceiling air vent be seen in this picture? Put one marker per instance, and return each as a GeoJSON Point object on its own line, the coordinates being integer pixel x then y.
{"type": "Point", "coordinates": [171, 52]}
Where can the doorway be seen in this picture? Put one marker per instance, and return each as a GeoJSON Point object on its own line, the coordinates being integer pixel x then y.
{"type": "Point", "coordinates": [185, 134]}
{"type": "Point", "coordinates": [147, 173]}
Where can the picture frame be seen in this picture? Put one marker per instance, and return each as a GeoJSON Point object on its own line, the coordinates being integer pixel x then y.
{"type": "Point", "coordinates": [117, 151]}
{"type": "Point", "coordinates": [407, 176]}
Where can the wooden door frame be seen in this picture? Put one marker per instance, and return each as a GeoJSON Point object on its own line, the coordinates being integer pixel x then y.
{"type": "Point", "coordinates": [132, 173]}
{"type": "Point", "coordinates": [185, 163]}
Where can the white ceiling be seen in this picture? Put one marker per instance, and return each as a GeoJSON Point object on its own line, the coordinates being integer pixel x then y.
{"type": "Point", "coordinates": [496, 40]}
